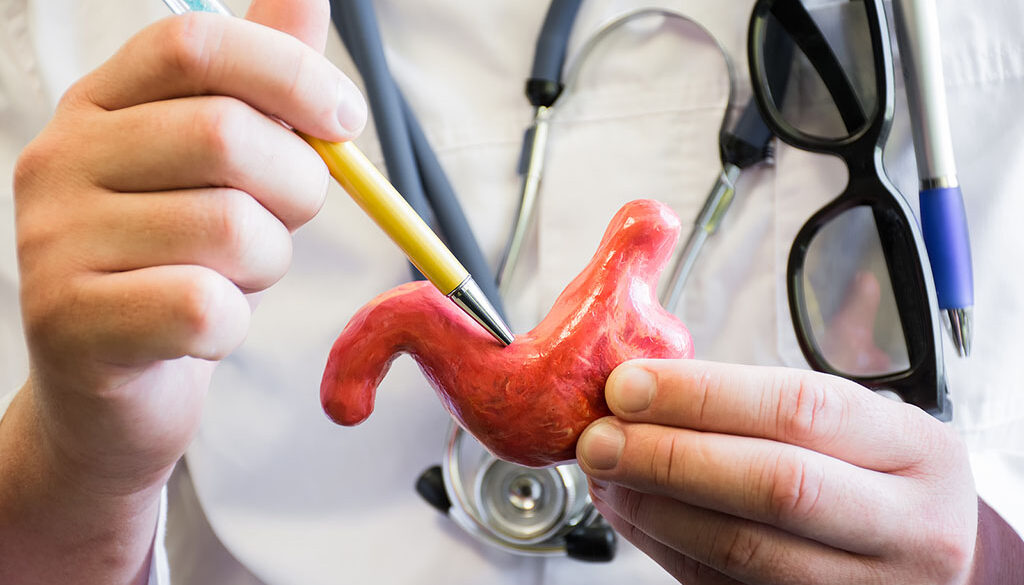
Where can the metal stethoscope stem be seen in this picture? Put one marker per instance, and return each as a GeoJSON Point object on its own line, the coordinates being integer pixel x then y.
{"type": "Point", "coordinates": [706, 224]}
{"type": "Point", "coordinates": [535, 148]}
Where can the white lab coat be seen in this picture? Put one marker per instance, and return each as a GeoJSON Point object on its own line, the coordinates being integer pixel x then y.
{"type": "Point", "coordinates": [281, 495]}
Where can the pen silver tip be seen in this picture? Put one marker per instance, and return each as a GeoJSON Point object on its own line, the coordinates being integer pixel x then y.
{"type": "Point", "coordinates": [960, 328]}
{"type": "Point", "coordinates": [472, 300]}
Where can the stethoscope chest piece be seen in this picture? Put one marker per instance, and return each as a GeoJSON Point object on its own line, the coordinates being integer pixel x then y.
{"type": "Point", "coordinates": [528, 506]}
{"type": "Point", "coordinates": [539, 512]}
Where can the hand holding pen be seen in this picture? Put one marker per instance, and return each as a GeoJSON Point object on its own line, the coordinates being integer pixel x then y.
{"type": "Point", "coordinates": [157, 199]}
{"type": "Point", "coordinates": [393, 214]}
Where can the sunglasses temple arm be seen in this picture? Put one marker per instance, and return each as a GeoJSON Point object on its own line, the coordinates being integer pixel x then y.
{"type": "Point", "coordinates": [795, 19]}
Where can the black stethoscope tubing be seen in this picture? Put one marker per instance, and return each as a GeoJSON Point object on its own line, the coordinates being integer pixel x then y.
{"type": "Point", "coordinates": [411, 163]}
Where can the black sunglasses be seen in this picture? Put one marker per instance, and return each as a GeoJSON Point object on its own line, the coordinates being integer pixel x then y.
{"type": "Point", "coordinates": [860, 289]}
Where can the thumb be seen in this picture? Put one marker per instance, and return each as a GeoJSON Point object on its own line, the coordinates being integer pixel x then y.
{"type": "Point", "coordinates": [306, 20]}
{"type": "Point", "coordinates": [309, 21]}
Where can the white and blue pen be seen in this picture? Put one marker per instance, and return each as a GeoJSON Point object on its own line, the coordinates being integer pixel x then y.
{"type": "Point", "coordinates": [943, 219]}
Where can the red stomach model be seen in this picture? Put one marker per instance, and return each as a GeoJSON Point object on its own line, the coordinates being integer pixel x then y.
{"type": "Point", "coordinates": [528, 402]}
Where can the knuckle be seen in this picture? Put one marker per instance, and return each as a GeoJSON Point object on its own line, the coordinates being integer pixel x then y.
{"type": "Point", "coordinates": [683, 568]}
{"type": "Point", "coordinates": [75, 95]}
{"type": "Point", "coordinates": [667, 461]}
{"type": "Point", "coordinates": [38, 222]}
{"type": "Point", "coordinates": [307, 208]}
{"type": "Point", "coordinates": [940, 437]}
{"type": "Point", "coordinates": [956, 448]}
{"type": "Point", "coordinates": [808, 414]}
{"type": "Point", "coordinates": [301, 199]}
{"type": "Point", "coordinates": [707, 385]}
{"type": "Point", "coordinates": [933, 447]}
{"type": "Point", "coordinates": [198, 304]}
{"type": "Point", "coordinates": [273, 262]}
{"type": "Point", "coordinates": [634, 507]}
{"type": "Point", "coordinates": [301, 88]}
{"type": "Point", "coordinates": [738, 550]}
{"type": "Point", "coordinates": [29, 168]}
{"type": "Point", "coordinates": [188, 43]}
{"type": "Point", "coordinates": [255, 248]}
{"type": "Point", "coordinates": [948, 549]}
{"type": "Point", "coordinates": [38, 311]}
{"type": "Point", "coordinates": [680, 567]}
{"type": "Point", "coordinates": [32, 241]}
{"type": "Point", "coordinates": [233, 226]}
{"type": "Point", "coordinates": [952, 551]}
{"type": "Point", "coordinates": [697, 572]}
{"type": "Point", "coordinates": [221, 125]}
{"type": "Point", "coordinates": [794, 489]}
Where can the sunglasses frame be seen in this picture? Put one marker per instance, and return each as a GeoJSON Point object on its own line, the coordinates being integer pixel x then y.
{"type": "Point", "coordinates": [923, 382]}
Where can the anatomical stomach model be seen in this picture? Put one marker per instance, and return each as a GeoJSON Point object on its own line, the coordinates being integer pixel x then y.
{"type": "Point", "coordinates": [528, 402]}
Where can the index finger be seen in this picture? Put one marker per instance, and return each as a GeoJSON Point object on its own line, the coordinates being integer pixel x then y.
{"type": "Point", "coordinates": [816, 411]}
{"type": "Point", "coordinates": [208, 54]}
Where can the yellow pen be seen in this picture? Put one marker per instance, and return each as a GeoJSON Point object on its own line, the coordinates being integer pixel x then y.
{"type": "Point", "coordinates": [382, 202]}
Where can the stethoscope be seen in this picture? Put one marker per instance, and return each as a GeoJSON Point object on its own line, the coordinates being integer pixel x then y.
{"type": "Point", "coordinates": [540, 512]}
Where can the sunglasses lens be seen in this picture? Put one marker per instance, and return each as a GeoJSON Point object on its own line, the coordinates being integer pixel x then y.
{"type": "Point", "coordinates": [820, 67]}
{"type": "Point", "coordinates": [849, 308]}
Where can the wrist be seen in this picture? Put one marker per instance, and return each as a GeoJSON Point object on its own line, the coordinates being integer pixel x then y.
{"type": "Point", "coordinates": [50, 507]}
{"type": "Point", "coordinates": [84, 442]}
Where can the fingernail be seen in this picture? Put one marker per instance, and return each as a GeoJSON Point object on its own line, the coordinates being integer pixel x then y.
{"type": "Point", "coordinates": [598, 485]}
{"type": "Point", "coordinates": [352, 110]}
{"type": "Point", "coordinates": [601, 446]}
{"type": "Point", "coordinates": [631, 390]}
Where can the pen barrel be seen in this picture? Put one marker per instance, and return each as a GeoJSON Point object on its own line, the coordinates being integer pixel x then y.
{"type": "Point", "coordinates": [944, 227]}
{"type": "Point", "coordinates": [382, 202]}
{"type": "Point", "coordinates": [917, 34]}
{"type": "Point", "coordinates": [183, 6]}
